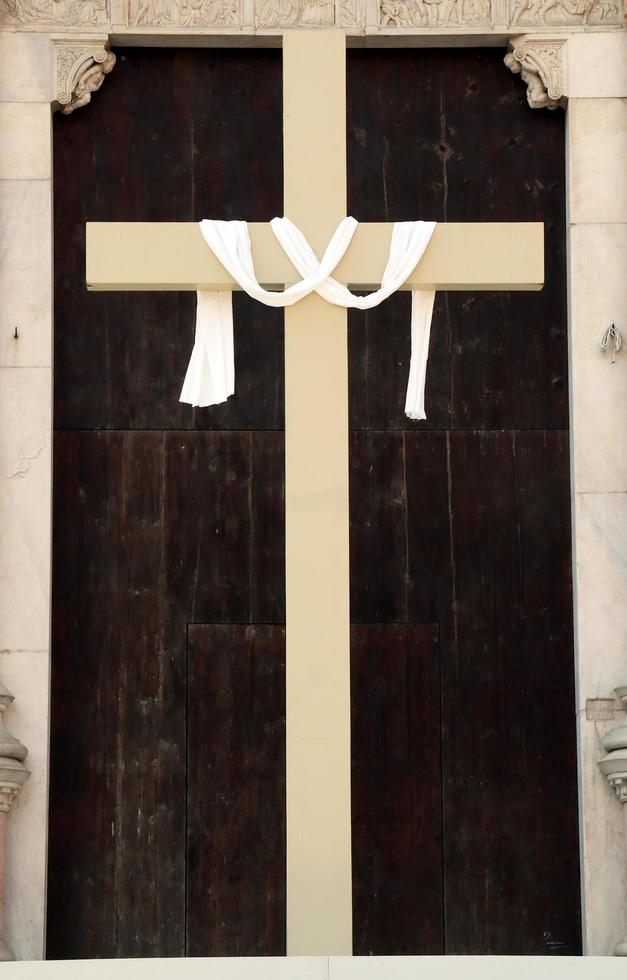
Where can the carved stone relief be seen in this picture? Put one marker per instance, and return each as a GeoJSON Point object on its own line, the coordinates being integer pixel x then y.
{"type": "Point", "coordinates": [54, 12]}
{"type": "Point", "coordinates": [477, 13]}
{"type": "Point", "coordinates": [351, 14]}
{"type": "Point", "coordinates": [539, 62]}
{"type": "Point", "coordinates": [435, 13]}
{"type": "Point", "coordinates": [184, 13]}
{"type": "Point", "coordinates": [416, 15]}
{"type": "Point", "coordinates": [563, 13]}
{"type": "Point", "coordinates": [295, 13]}
{"type": "Point", "coordinates": [80, 69]}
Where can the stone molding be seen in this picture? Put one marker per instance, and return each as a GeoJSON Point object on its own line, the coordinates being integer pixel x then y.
{"type": "Point", "coordinates": [13, 774]}
{"type": "Point", "coordinates": [12, 754]}
{"type": "Point", "coordinates": [80, 66]}
{"type": "Point", "coordinates": [614, 764]}
{"type": "Point", "coordinates": [540, 63]}
{"type": "Point", "coordinates": [413, 17]}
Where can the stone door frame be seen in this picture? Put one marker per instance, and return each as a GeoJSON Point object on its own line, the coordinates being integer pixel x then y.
{"type": "Point", "coordinates": [48, 65]}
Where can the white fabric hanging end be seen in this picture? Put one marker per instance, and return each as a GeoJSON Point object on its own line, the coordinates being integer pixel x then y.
{"type": "Point", "coordinates": [421, 315]}
{"type": "Point", "coordinates": [210, 377]}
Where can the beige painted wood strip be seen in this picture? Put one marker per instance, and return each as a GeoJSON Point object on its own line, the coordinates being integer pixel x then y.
{"type": "Point", "coordinates": [173, 255]}
{"type": "Point", "coordinates": [319, 884]}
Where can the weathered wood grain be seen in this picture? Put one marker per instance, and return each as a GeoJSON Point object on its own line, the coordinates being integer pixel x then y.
{"type": "Point", "coordinates": [469, 526]}
{"type": "Point", "coordinates": [152, 531]}
{"type": "Point", "coordinates": [165, 144]}
{"type": "Point", "coordinates": [136, 554]}
{"type": "Point", "coordinates": [224, 527]}
{"type": "Point", "coordinates": [466, 525]}
{"type": "Point", "coordinates": [236, 791]}
{"type": "Point", "coordinates": [509, 668]}
{"type": "Point", "coordinates": [398, 895]}
{"type": "Point", "coordinates": [481, 543]}
{"type": "Point", "coordinates": [116, 877]}
{"type": "Point", "coordinates": [447, 136]}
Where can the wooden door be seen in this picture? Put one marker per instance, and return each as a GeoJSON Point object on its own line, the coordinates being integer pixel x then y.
{"type": "Point", "coordinates": [167, 810]}
{"type": "Point", "coordinates": [464, 520]}
{"type": "Point", "coordinates": [164, 518]}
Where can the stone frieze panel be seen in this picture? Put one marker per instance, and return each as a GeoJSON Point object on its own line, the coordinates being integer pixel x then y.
{"type": "Point", "coordinates": [435, 13]}
{"type": "Point", "coordinates": [387, 16]}
{"type": "Point", "coordinates": [523, 14]}
{"type": "Point", "coordinates": [295, 13]}
{"type": "Point", "coordinates": [184, 13]}
{"type": "Point", "coordinates": [351, 13]}
{"type": "Point", "coordinates": [52, 13]}
{"type": "Point", "coordinates": [564, 13]}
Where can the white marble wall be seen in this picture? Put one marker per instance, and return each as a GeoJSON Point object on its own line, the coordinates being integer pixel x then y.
{"type": "Point", "coordinates": [597, 184]}
{"type": "Point", "coordinates": [25, 461]}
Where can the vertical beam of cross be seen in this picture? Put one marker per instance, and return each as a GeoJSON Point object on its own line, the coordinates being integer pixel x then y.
{"type": "Point", "coordinates": [319, 884]}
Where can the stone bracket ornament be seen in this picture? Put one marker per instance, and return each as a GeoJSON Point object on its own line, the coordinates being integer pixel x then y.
{"type": "Point", "coordinates": [614, 764]}
{"type": "Point", "coordinates": [80, 65]}
{"type": "Point", "coordinates": [540, 63]}
{"type": "Point", "coordinates": [13, 774]}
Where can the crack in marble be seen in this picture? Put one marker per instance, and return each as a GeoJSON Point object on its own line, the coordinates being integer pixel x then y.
{"type": "Point", "coordinates": [25, 463]}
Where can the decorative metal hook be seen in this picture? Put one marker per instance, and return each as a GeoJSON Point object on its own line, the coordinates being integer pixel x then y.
{"type": "Point", "coordinates": [612, 340]}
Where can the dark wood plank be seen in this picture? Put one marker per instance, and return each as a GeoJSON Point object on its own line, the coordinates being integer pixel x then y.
{"type": "Point", "coordinates": [378, 527]}
{"type": "Point", "coordinates": [159, 146]}
{"type": "Point", "coordinates": [116, 857]}
{"type": "Point", "coordinates": [472, 529]}
{"type": "Point", "coordinates": [236, 791]}
{"type": "Point", "coordinates": [507, 700]}
{"type": "Point", "coordinates": [399, 526]}
{"type": "Point", "coordinates": [151, 531]}
{"type": "Point", "coordinates": [398, 896]}
{"type": "Point", "coordinates": [225, 527]}
{"type": "Point", "coordinates": [448, 136]}
{"type": "Point", "coordinates": [543, 495]}
{"type": "Point", "coordinates": [487, 905]}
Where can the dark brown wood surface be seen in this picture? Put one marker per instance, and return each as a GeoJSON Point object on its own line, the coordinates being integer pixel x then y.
{"type": "Point", "coordinates": [448, 135]}
{"type": "Point", "coordinates": [398, 904]}
{"type": "Point", "coordinates": [236, 787]}
{"type": "Point", "coordinates": [155, 529]}
{"type": "Point", "coordinates": [169, 528]}
{"type": "Point", "coordinates": [117, 758]}
{"type": "Point", "coordinates": [464, 520]}
{"type": "Point", "coordinates": [165, 141]}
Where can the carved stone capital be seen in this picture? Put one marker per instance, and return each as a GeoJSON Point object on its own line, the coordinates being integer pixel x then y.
{"type": "Point", "coordinates": [80, 66]}
{"type": "Point", "coordinates": [12, 754]}
{"type": "Point", "coordinates": [614, 764]}
{"type": "Point", "coordinates": [540, 63]}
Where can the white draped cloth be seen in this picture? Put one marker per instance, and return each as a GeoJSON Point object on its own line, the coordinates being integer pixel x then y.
{"type": "Point", "coordinates": [210, 377]}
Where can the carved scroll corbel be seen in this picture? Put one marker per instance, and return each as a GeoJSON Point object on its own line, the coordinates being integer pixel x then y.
{"type": "Point", "coordinates": [80, 66]}
{"type": "Point", "coordinates": [13, 775]}
{"type": "Point", "coordinates": [540, 64]}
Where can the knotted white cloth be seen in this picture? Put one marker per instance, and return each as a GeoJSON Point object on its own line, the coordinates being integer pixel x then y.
{"type": "Point", "coordinates": [210, 375]}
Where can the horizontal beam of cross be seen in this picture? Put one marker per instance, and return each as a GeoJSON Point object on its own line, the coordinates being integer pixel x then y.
{"type": "Point", "coordinates": [125, 255]}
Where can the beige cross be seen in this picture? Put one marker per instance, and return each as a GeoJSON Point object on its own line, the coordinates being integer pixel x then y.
{"type": "Point", "coordinates": [174, 256]}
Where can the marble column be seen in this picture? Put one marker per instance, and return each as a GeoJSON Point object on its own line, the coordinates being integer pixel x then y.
{"type": "Point", "coordinates": [25, 460]}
